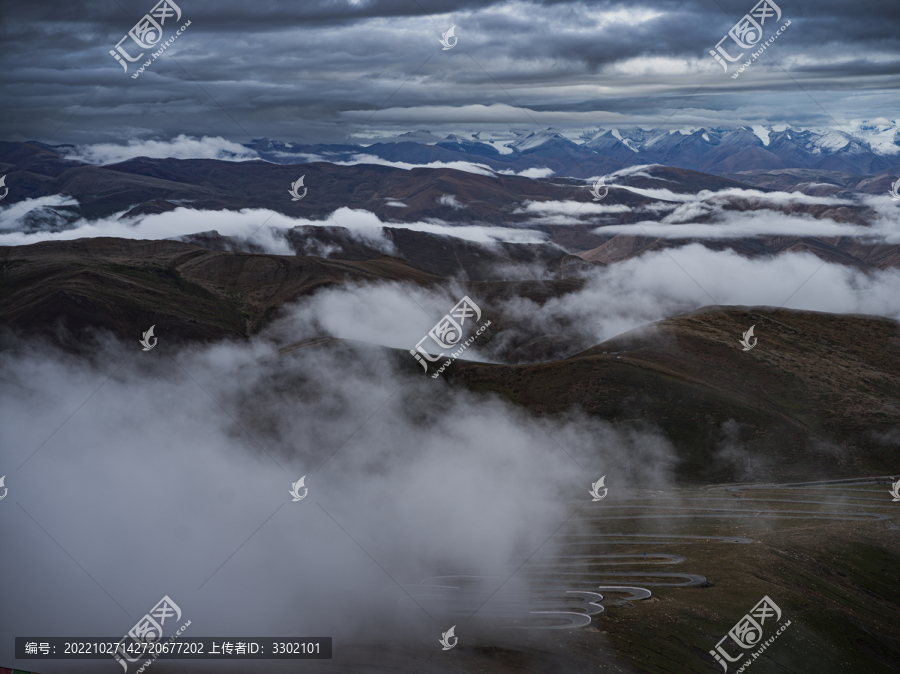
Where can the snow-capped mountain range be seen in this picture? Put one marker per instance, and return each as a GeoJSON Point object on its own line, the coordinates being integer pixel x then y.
{"type": "Point", "coordinates": [865, 148]}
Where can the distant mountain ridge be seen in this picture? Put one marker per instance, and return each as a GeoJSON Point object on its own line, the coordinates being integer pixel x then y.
{"type": "Point", "coordinates": [870, 148]}
{"type": "Point", "coordinates": [140, 187]}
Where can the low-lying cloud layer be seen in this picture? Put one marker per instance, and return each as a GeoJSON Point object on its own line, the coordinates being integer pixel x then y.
{"type": "Point", "coordinates": [726, 214]}
{"type": "Point", "coordinates": [615, 299]}
{"type": "Point", "coordinates": [180, 147]}
{"type": "Point", "coordinates": [661, 284]}
{"type": "Point", "coordinates": [736, 225]}
{"type": "Point", "coordinates": [207, 147]}
{"type": "Point", "coordinates": [34, 220]}
{"type": "Point", "coordinates": [733, 193]}
{"type": "Point", "coordinates": [731, 213]}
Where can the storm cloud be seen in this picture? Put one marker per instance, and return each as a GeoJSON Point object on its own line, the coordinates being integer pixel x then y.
{"type": "Point", "coordinates": [325, 71]}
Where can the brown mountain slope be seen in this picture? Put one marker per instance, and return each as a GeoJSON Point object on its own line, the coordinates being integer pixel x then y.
{"type": "Point", "coordinates": [149, 185]}
{"type": "Point", "coordinates": [817, 386]}
{"type": "Point", "coordinates": [126, 285]}
{"type": "Point", "coordinates": [144, 185]}
{"type": "Point", "coordinates": [820, 393]}
{"type": "Point", "coordinates": [200, 289]}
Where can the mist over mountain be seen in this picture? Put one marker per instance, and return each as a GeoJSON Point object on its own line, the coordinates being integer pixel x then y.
{"type": "Point", "coordinates": [489, 336]}
{"type": "Point", "coordinates": [429, 215]}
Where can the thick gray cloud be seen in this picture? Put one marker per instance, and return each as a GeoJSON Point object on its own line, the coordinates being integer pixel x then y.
{"type": "Point", "coordinates": [320, 70]}
{"type": "Point", "coordinates": [173, 479]}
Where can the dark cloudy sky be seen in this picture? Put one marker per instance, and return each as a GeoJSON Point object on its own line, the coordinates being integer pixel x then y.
{"type": "Point", "coordinates": [320, 70]}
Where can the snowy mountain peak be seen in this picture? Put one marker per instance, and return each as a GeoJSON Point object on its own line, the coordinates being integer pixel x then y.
{"type": "Point", "coordinates": [533, 140]}
{"type": "Point", "coordinates": [863, 147]}
{"type": "Point", "coordinates": [762, 133]}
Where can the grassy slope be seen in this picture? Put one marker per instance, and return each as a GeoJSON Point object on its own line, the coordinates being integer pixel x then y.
{"type": "Point", "coordinates": [811, 399]}
{"type": "Point", "coordinates": [836, 581]}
